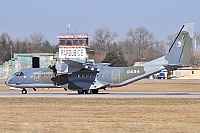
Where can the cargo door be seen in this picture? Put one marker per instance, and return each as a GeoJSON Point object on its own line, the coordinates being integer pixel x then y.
{"type": "Point", "coordinates": [115, 76]}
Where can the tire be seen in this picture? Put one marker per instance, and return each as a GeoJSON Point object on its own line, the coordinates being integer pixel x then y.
{"type": "Point", "coordinates": [80, 91]}
{"type": "Point", "coordinates": [94, 91]}
{"type": "Point", "coordinates": [86, 91]}
{"type": "Point", "coordinates": [24, 91]}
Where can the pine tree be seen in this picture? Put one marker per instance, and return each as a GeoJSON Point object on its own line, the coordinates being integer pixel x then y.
{"type": "Point", "coordinates": [115, 59]}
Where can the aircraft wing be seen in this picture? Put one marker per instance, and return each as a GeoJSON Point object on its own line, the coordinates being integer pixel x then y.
{"type": "Point", "coordinates": [73, 63]}
{"type": "Point", "coordinates": [70, 66]}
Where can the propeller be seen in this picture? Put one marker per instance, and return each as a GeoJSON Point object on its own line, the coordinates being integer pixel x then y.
{"type": "Point", "coordinates": [53, 67]}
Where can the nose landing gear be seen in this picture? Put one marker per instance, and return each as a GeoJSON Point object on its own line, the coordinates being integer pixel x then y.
{"type": "Point", "coordinates": [24, 91]}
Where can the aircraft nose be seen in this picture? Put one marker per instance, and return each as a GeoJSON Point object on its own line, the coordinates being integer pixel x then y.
{"type": "Point", "coordinates": [7, 81]}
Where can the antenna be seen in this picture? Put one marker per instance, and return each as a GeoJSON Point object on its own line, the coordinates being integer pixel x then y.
{"type": "Point", "coordinates": [68, 28]}
{"type": "Point", "coordinates": [75, 30]}
{"type": "Point", "coordinates": [195, 44]}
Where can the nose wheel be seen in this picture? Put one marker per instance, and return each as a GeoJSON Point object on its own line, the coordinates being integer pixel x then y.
{"type": "Point", "coordinates": [24, 91]}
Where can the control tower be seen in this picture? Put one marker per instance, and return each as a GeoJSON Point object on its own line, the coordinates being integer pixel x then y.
{"type": "Point", "coordinates": [73, 46]}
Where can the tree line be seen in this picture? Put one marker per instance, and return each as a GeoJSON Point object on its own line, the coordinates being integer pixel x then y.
{"type": "Point", "coordinates": [138, 45]}
{"type": "Point", "coordinates": [35, 43]}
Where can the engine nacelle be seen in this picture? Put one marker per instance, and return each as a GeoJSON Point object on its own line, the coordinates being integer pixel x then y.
{"type": "Point", "coordinates": [65, 68]}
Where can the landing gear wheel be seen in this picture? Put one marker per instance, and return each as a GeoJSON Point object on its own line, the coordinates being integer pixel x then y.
{"type": "Point", "coordinates": [94, 91]}
{"type": "Point", "coordinates": [80, 91]}
{"type": "Point", "coordinates": [24, 91]}
{"type": "Point", "coordinates": [86, 91]}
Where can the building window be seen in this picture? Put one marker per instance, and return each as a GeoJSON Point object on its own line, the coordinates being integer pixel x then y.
{"type": "Point", "coordinates": [62, 41]}
{"type": "Point", "coordinates": [192, 72]}
{"type": "Point", "coordinates": [186, 73]}
{"type": "Point", "coordinates": [69, 42]}
{"type": "Point", "coordinates": [178, 73]}
{"type": "Point", "coordinates": [75, 42]}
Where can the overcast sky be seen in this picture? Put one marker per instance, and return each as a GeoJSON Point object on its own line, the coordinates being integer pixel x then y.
{"type": "Point", "coordinates": [21, 18]}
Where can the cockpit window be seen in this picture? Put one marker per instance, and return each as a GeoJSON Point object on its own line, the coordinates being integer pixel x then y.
{"type": "Point", "coordinates": [18, 74]}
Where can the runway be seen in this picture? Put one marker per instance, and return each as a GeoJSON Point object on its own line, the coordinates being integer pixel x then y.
{"type": "Point", "coordinates": [101, 95]}
{"type": "Point", "coordinates": [2, 85]}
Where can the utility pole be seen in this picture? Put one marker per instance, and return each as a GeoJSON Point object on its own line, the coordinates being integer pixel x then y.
{"type": "Point", "coordinates": [11, 50]}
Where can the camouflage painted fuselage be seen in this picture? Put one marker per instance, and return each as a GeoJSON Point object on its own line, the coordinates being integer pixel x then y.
{"type": "Point", "coordinates": [84, 79]}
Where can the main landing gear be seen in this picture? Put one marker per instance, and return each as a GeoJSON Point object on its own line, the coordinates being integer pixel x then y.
{"type": "Point", "coordinates": [83, 91]}
{"type": "Point", "coordinates": [93, 91]}
{"type": "Point", "coordinates": [24, 91]}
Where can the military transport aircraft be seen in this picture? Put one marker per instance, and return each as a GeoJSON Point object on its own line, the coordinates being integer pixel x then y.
{"type": "Point", "coordinates": [89, 78]}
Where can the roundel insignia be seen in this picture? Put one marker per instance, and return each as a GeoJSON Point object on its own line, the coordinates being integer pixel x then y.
{"type": "Point", "coordinates": [36, 77]}
{"type": "Point", "coordinates": [179, 44]}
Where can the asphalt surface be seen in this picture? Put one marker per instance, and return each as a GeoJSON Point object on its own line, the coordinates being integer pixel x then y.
{"type": "Point", "coordinates": [107, 94]}
{"type": "Point", "coordinates": [2, 85]}
{"type": "Point", "coordinates": [101, 95]}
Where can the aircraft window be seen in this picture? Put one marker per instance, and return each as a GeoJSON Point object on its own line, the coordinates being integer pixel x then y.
{"type": "Point", "coordinates": [82, 76]}
{"type": "Point", "coordinates": [73, 76]}
{"type": "Point", "coordinates": [47, 76]}
{"type": "Point", "coordinates": [78, 76]}
{"type": "Point", "coordinates": [18, 74]}
{"type": "Point", "coordinates": [42, 76]}
{"type": "Point", "coordinates": [21, 74]}
{"type": "Point", "coordinates": [85, 76]}
{"type": "Point", "coordinates": [105, 75]}
{"type": "Point", "coordinates": [90, 76]}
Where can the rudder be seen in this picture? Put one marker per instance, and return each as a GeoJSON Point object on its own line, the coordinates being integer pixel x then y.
{"type": "Point", "coordinates": [180, 51]}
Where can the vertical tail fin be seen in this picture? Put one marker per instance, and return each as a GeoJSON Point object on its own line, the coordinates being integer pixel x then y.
{"type": "Point", "coordinates": [180, 51]}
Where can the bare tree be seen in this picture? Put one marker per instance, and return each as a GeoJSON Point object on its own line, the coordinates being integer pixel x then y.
{"type": "Point", "coordinates": [170, 40]}
{"type": "Point", "coordinates": [103, 37]}
{"type": "Point", "coordinates": [197, 35]}
{"type": "Point", "coordinates": [129, 51]}
{"type": "Point", "coordinates": [195, 57]}
{"type": "Point", "coordinates": [37, 40]}
{"type": "Point", "coordinates": [143, 39]}
{"type": "Point", "coordinates": [156, 50]}
{"type": "Point", "coordinates": [196, 41]}
{"type": "Point", "coordinates": [5, 47]}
